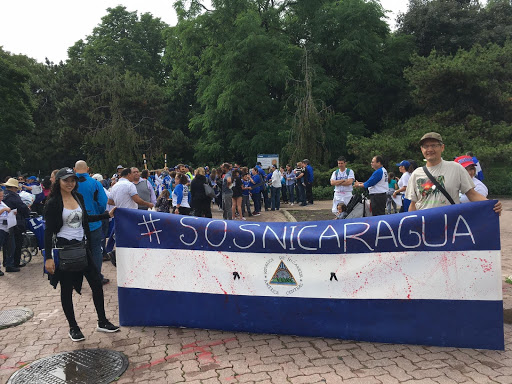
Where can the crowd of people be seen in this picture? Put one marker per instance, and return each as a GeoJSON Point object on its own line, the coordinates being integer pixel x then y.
{"type": "Point", "coordinates": [438, 183]}
{"type": "Point", "coordinates": [79, 205]}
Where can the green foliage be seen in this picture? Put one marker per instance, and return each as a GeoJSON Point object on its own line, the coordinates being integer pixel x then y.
{"type": "Point", "coordinates": [16, 106]}
{"type": "Point", "coordinates": [323, 193]}
{"type": "Point", "coordinates": [125, 42]}
{"type": "Point", "coordinates": [448, 25]}
{"type": "Point", "coordinates": [227, 83]}
{"type": "Point", "coordinates": [478, 82]}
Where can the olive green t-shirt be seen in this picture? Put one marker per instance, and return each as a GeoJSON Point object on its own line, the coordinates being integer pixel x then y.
{"type": "Point", "coordinates": [451, 175]}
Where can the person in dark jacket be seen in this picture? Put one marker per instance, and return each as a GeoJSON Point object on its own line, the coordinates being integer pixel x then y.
{"type": "Point", "coordinates": [68, 222]}
{"type": "Point", "coordinates": [201, 204]}
{"type": "Point", "coordinates": [13, 201]}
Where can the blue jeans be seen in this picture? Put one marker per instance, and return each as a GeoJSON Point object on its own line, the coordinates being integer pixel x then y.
{"type": "Point", "coordinates": [256, 198]}
{"type": "Point", "coordinates": [275, 194]}
{"type": "Point", "coordinates": [291, 195]}
{"type": "Point", "coordinates": [97, 254]}
{"type": "Point", "coordinates": [7, 245]}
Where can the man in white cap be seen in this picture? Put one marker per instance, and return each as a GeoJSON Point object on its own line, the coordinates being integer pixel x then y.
{"type": "Point", "coordinates": [449, 175]}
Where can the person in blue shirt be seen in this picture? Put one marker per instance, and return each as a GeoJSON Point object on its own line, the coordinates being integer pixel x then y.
{"type": "Point", "coordinates": [181, 196]}
{"type": "Point", "coordinates": [95, 200]}
{"type": "Point", "coordinates": [308, 181]}
{"type": "Point", "coordinates": [246, 191]}
{"type": "Point", "coordinates": [256, 184]}
{"type": "Point", "coordinates": [377, 186]}
{"type": "Point", "coordinates": [38, 193]}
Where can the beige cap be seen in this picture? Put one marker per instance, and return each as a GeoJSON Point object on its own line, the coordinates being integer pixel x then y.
{"type": "Point", "coordinates": [12, 183]}
{"type": "Point", "coordinates": [431, 135]}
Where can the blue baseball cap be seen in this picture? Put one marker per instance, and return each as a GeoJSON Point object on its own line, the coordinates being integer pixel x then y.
{"type": "Point", "coordinates": [404, 163]}
{"type": "Point", "coordinates": [31, 178]}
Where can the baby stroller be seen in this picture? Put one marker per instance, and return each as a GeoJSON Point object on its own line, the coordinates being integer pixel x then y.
{"type": "Point", "coordinates": [357, 207]}
{"type": "Point", "coordinates": [33, 238]}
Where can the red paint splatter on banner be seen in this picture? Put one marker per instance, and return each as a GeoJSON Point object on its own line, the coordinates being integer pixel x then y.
{"type": "Point", "coordinates": [486, 265]}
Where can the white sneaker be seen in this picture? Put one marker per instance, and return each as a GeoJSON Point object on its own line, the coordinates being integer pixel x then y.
{"type": "Point", "coordinates": [291, 203]}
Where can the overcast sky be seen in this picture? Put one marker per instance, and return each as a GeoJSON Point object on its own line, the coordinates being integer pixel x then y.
{"type": "Point", "coordinates": [42, 29]}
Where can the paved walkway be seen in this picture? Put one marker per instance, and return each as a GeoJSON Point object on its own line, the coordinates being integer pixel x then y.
{"type": "Point", "coordinates": [172, 355]}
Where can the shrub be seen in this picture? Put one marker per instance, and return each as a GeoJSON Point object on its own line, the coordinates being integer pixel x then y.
{"type": "Point", "coordinates": [323, 193]}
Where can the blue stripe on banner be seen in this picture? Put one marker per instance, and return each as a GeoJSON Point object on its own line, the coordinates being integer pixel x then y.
{"type": "Point", "coordinates": [448, 323]}
{"type": "Point", "coordinates": [473, 226]}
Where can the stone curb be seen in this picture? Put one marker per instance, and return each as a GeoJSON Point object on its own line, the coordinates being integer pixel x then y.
{"type": "Point", "coordinates": [289, 216]}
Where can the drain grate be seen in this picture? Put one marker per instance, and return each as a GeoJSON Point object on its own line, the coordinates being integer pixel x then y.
{"type": "Point", "coordinates": [15, 316]}
{"type": "Point", "coordinates": [86, 366]}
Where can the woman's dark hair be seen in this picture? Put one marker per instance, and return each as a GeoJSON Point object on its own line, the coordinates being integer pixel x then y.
{"type": "Point", "coordinates": [413, 165]}
{"type": "Point", "coordinates": [164, 195]}
{"type": "Point", "coordinates": [391, 176]}
{"type": "Point", "coordinates": [144, 174]}
{"type": "Point", "coordinates": [47, 183]}
{"type": "Point", "coordinates": [55, 191]}
{"type": "Point", "coordinates": [183, 179]}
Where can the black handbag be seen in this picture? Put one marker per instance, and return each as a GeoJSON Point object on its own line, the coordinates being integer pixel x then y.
{"type": "Point", "coordinates": [73, 258]}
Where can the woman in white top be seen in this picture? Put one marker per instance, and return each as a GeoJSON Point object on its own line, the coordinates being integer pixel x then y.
{"type": "Point", "coordinates": [402, 184]}
{"type": "Point", "coordinates": [67, 221]}
{"type": "Point", "coordinates": [468, 163]}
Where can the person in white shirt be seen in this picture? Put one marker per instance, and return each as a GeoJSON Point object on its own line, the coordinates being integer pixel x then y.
{"type": "Point", "coordinates": [377, 186]}
{"type": "Point", "coordinates": [4, 230]}
{"type": "Point", "coordinates": [403, 166]}
{"type": "Point", "coordinates": [275, 189]}
{"type": "Point", "coordinates": [124, 193]}
{"type": "Point", "coordinates": [468, 163]}
{"type": "Point", "coordinates": [342, 180]}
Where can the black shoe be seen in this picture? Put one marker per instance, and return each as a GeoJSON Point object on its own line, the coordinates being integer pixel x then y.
{"type": "Point", "coordinates": [106, 257]}
{"type": "Point", "coordinates": [1, 273]}
{"type": "Point", "coordinates": [107, 326]}
{"type": "Point", "coordinates": [105, 281]}
{"type": "Point", "coordinates": [76, 334]}
{"type": "Point", "coordinates": [20, 265]}
{"type": "Point", "coordinates": [112, 256]}
{"type": "Point", "coordinates": [12, 269]}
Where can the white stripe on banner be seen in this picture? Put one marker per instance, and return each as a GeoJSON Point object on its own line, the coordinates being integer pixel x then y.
{"type": "Point", "coordinates": [448, 275]}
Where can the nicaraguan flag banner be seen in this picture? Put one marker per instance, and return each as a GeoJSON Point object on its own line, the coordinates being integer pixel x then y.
{"type": "Point", "coordinates": [429, 277]}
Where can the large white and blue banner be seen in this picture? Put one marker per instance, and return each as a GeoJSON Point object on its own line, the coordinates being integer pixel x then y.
{"type": "Point", "coordinates": [429, 277]}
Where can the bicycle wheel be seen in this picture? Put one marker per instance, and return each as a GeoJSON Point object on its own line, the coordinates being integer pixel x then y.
{"type": "Point", "coordinates": [26, 256]}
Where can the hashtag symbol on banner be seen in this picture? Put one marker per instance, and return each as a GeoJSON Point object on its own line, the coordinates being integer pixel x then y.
{"type": "Point", "coordinates": [149, 232]}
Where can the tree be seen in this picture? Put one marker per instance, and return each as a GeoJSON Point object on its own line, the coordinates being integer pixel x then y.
{"type": "Point", "coordinates": [307, 136]}
{"type": "Point", "coordinates": [16, 108]}
{"type": "Point", "coordinates": [125, 42]}
{"type": "Point", "coordinates": [476, 82]}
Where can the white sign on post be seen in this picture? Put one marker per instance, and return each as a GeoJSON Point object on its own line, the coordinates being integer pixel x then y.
{"type": "Point", "coordinates": [266, 160]}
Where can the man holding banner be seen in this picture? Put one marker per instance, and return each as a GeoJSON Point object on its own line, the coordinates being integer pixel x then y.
{"type": "Point", "coordinates": [438, 183]}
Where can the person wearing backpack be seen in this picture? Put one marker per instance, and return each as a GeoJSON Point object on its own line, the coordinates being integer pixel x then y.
{"type": "Point", "coordinates": [342, 180]}
{"type": "Point", "coordinates": [95, 200]}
